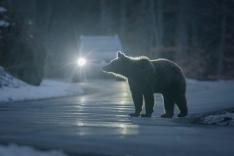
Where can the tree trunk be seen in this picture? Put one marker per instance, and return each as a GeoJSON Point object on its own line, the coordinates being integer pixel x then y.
{"type": "Point", "coordinates": [222, 41]}
{"type": "Point", "coordinates": [123, 20]}
{"type": "Point", "coordinates": [182, 31]}
{"type": "Point", "coordinates": [105, 17]}
{"type": "Point", "coordinates": [159, 14]}
{"type": "Point", "coordinates": [157, 24]}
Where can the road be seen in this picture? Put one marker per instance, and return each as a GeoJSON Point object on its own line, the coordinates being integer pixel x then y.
{"type": "Point", "coordinates": [97, 124]}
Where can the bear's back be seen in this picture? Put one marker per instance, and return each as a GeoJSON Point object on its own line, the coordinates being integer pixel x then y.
{"type": "Point", "coordinates": [165, 65]}
{"type": "Point", "coordinates": [168, 73]}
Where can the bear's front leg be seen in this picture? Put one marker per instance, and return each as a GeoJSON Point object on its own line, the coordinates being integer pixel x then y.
{"type": "Point", "coordinates": [138, 102]}
{"type": "Point", "coordinates": [149, 104]}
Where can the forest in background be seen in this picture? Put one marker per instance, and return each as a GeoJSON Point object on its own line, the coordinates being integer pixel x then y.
{"type": "Point", "coordinates": [197, 34]}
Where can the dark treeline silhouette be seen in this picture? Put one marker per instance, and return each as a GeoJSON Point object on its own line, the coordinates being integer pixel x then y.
{"type": "Point", "coordinates": [197, 34]}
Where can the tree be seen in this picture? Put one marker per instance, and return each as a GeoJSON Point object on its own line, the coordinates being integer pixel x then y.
{"type": "Point", "coordinates": [123, 18]}
{"type": "Point", "coordinates": [222, 44]}
{"type": "Point", "coordinates": [156, 15]}
{"type": "Point", "coordinates": [182, 30]}
{"type": "Point", "coordinates": [105, 17]}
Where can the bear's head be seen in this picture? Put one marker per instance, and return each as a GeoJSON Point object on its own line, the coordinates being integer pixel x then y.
{"type": "Point", "coordinates": [119, 65]}
{"type": "Point", "coordinates": [129, 67]}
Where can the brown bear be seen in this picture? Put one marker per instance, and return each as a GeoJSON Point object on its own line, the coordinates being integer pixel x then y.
{"type": "Point", "coordinates": [146, 77]}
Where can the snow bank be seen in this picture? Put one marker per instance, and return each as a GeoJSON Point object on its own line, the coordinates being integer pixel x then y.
{"type": "Point", "coordinates": [4, 23]}
{"type": "Point", "coordinates": [2, 9]}
{"type": "Point", "coordinates": [12, 89]}
{"type": "Point", "coordinates": [222, 119]}
{"type": "Point", "coordinates": [15, 150]}
{"type": "Point", "coordinates": [48, 89]}
{"type": "Point", "coordinates": [209, 96]}
{"type": "Point", "coordinates": [7, 80]}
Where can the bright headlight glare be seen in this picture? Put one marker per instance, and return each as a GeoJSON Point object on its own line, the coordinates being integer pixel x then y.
{"type": "Point", "coordinates": [81, 61]}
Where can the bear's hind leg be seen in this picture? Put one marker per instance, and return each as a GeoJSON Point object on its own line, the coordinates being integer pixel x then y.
{"type": "Point", "coordinates": [182, 105]}
{"type": "Point", "coordinates": [168, 106]}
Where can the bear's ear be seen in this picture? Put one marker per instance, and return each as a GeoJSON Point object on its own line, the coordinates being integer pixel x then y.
{"type": "Point", "coordinates": [120, 54]}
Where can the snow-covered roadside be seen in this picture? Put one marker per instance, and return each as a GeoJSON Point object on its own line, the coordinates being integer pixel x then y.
{"type": "Point", "coordinates": [209, 96]}
{"type": "Point", "coordinates": [222, 118]}
{"type": "Point", "coordinates": [47, 89]}
{"type": "Point", "coordinates": [15, 150]}
{"type": "Point", "coordinates": [12, 89]}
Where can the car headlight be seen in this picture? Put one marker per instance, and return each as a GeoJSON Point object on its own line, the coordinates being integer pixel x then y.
{"type": "Point", "coordinates": [81, 61]}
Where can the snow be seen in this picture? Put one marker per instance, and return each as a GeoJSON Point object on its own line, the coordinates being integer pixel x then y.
{"type": "Point", "coordinates": [2, 9]}
{"type": "Point", "coordinates": [4, 23]}
{"type": "Point", "coordinates": [223, 119]}
{"type": "Point", "coordinates": [15, 150]}
{"type": "Point", "coordinates": [208, 96]}
{"type": "Point", "coordinates": [12, 89]}
{"type": "Point", "coordinates": [7, 80]}
{"type": "Point", "coordinates": [48, 89]}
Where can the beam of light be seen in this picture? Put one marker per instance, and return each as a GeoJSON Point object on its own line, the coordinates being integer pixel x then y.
{"type": "Point", "coordinates": [81, 61]}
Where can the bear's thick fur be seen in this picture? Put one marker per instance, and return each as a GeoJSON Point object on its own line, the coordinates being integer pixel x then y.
{"type": "Point", "coordinates": [146, 77]}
